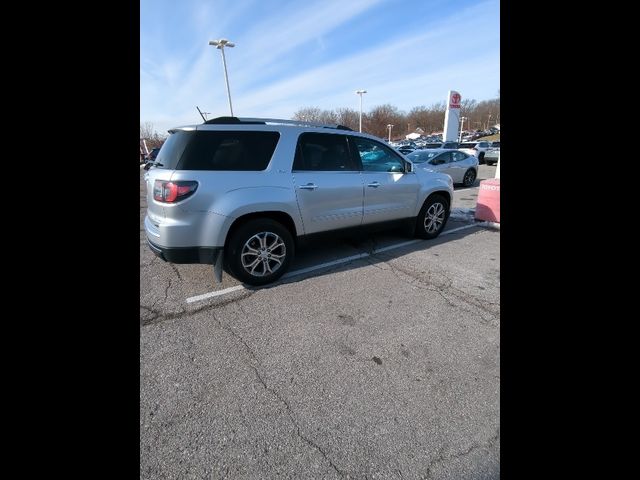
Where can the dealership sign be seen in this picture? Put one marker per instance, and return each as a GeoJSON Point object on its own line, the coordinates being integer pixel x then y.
{"type": "Point", "coordinates": [454, 101]}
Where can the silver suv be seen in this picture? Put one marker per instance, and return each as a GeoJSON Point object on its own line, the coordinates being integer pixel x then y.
{"type": "Point", "coordinates": [239, 193]}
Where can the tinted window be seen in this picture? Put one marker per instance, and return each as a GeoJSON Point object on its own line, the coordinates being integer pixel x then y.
{"type": "Point", "coordinates": [322, 152]}
{"type": "Point", "coordinates": [441, 158]}
{"type": "Point", "coordinates": [376, 157]}
{"type": "Point", "coordinates": [450, 145]}
{"type": "Point", "coordinates": [457, 156]}
{"type": "Point", "coordinates": [495, 144]}
{"type": "Point", "coordinates": [172, 149]}
{"type": "Point", "coordinates": [483, 144]}
{"type": "Point", "coordinates": [228, 150]}
{"type": "Point", "coordinates": [422, 156]}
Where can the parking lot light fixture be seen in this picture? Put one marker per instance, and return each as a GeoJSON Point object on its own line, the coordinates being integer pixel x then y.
{"type": "Point", "coordinates": [462, 119]}
{"type": "Point", "coordinates": [390, 126]}
{"type": "Point", "coordinates": [220, 44]}
{"type": "Point", "coordinates": [360, 92]}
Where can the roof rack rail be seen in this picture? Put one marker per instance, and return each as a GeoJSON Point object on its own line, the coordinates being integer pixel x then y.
{"type": "Point", "coordinates": [264, 121]}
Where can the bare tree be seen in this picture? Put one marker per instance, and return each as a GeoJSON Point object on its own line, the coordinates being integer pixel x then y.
{"type": "Point", "coordinates": [308, 114]}
{"type": "Point", "coordinates": [430, 119]}
{"type": "Point", "coordinates": [376, 121]}
{"type": "Point", "coordinates": [348, 117]}
{"type": "Point", "coordinates": [151, 136]}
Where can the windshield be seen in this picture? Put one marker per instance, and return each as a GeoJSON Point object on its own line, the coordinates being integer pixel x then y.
{"type": "Point", "coordinates": [421, 157]}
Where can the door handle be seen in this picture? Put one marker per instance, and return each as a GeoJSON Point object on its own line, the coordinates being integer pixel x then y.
{"type": "Point", "coordinates": [308, 186]}
{"type": "Point", "coordinates": [374, 185]}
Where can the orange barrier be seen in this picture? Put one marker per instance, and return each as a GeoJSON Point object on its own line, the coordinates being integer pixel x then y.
{"type": "Point", "coordinates": [488, 206]}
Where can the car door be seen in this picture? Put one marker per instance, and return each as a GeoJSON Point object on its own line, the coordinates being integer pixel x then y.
{"type": "Point", "coordinates": [390, 192]}
{"type": "Point", "coordinates": [328, 183]}
{"type": "Point", "coordinates": [458, 166]}
{"type": "Point", "coordinates": [442, 163]}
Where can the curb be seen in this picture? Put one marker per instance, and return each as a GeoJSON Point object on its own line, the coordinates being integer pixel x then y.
{"type": "Point", "coordinates": [493, 225]}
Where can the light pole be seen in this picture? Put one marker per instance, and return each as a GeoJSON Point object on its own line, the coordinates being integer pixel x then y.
{"type": "Point", "coordinates": [220, 44]}
{"type": "Point", "coordinates": [462, 119]}
{"type": "Point", "coordinates": [390, 126]}
{"type": "Point", "coordinates": [360, 92]}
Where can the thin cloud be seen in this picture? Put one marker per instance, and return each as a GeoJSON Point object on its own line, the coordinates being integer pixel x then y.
{"type": "Point", "coordinates": [269, 75]}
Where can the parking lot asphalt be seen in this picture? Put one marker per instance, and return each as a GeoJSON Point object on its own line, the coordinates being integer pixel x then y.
{"type": "Point", "coordinates": [385, 366]}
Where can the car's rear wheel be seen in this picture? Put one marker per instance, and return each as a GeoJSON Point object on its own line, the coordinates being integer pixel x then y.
{"type": "Point", "coordinates": [260, 251]}
{"type": "Point", "coordinates": [432, 217]}
{"type": "Point", "coordinates": [469, 177]}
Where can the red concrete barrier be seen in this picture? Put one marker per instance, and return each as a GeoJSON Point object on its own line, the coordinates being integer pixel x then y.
{"type": "Point", "coordinates": [488, 206]}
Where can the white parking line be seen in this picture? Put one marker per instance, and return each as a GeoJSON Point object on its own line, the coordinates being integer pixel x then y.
{"type": "Point", "coordinates": [295, 273]}
{"type": "Point", "coordinates": [217, 293]}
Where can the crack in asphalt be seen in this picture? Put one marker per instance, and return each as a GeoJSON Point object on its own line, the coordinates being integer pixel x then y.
{"type": "Point", "coordinates": [440, 288]}
{"type": "Point", "coordinates": [175, 269]}
{"type": "Point", "coordinates": [275, 393]}
{"type": "Point", "coordinates": [146, 265]}
{"type": "Point", "coordinates": [159, 316]}
{"type": "Point", "coordinates": [441, 458]}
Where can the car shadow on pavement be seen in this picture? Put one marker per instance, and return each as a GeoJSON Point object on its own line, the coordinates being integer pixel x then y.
{"type": "Point", "coordinates": [324, 257]}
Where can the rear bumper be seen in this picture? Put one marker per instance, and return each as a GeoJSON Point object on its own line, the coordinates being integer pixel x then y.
{"type": "Point", "coordinates": [205, 255]}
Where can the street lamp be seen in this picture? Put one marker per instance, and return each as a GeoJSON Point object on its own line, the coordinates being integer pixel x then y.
{"type": "Point", "coordinates": [220, 44]}
{"type": "Point", "coordinates": [360, 92]}
{"type": "Point", "coordinates": [390, 126]}
{"type": "Point", "coordinates": [462, 119]}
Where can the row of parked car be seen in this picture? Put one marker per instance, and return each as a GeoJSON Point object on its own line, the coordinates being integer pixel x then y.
{"type": "Point", "coordinates": [478, 149]}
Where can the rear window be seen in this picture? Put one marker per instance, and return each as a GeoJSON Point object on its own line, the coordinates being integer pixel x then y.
{"type": "Point", "coordinates": [218, 150]}
{"type": "Point", "coordinates": [172, 149]}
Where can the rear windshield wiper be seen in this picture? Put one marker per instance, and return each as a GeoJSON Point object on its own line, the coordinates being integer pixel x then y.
{"type": "Point", "coordinates": [148, 165]}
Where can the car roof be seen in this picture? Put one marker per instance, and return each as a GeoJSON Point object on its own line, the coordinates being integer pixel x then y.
{"type": "Point", "coordinates": [237, 123]}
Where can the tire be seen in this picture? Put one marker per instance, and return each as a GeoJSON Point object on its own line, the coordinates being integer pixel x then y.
{"type": "Point", "coordinates": [433, 217]}
{"type": "Point", "coordinates": [469, 177]}
{"type": "Point", "coordinates": [259, 252]}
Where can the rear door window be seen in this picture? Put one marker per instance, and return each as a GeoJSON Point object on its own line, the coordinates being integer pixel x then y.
{"type": "Point", "coordinates": [323, 152]}
{"type": "Point", "coordinates": [458, 156]}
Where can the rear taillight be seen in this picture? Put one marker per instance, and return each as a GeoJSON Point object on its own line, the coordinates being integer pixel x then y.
{"type": "Point", "coordinates": [171, 192]}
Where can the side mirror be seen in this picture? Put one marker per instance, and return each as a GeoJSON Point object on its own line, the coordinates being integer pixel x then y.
{"type": "Point", "coordinates": [147, 166]}
{"type": "Point", "coordinates": [408, 167]}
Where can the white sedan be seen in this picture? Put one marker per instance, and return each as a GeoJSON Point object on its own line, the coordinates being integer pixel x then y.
{"type": "Point", "coordinates": [462, 168]}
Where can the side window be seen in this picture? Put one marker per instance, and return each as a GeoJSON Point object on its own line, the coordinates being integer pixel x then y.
{"type": "Point", "coordinates": [228, 150]}
{"type": "Point", "coordinates": [322, 152]}
{"type": "Point", "coordinates": [457, 156]}
{"type": "Point", "coordinates": [376, 157]}
{"type": "Point", "coordinates": [441, 159]}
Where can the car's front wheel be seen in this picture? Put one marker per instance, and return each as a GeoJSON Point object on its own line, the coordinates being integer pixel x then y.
{"type": "Point", "coordinates": [432, 217]}
{"type": "Point", "coordinates": [260, 251]}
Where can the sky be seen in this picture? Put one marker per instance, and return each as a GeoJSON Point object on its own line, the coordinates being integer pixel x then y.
{"type": "Point", "coordinates": [291, 54]}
